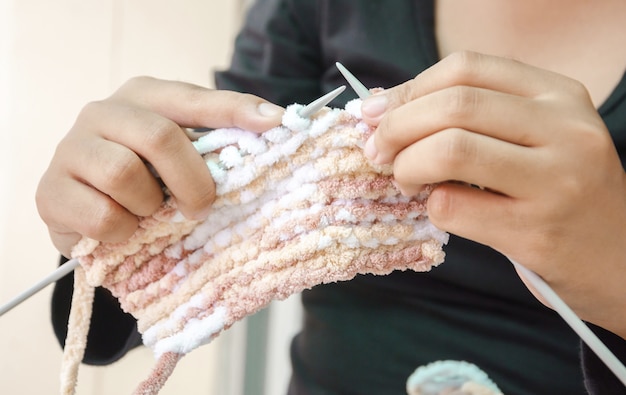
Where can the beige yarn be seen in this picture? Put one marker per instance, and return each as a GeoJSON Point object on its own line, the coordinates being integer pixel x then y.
{"type": "Point", "coordinates": [298, 206]}
{"type": "Point", "coordinates": [78, 327]}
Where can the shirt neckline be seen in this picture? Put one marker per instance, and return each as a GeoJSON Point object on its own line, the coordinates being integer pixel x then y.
{"type": "Point", "coordinates": [425, 17]}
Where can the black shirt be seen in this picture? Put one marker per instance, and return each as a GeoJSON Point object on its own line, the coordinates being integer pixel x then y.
{"type": "Point", "coordinates": [367, 335]}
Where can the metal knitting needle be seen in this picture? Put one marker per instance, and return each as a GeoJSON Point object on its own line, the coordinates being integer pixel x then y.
{"type": "Point", "coordinates": [60, 272]}
{"type": "Point", "coordinates": [63, 270]}
{"type": "Point", "coordinates": [568, 315]}
{"type": "Point", "coordinates": [358, 87]}
{"type": "Point", "coordinates": [318, 104]}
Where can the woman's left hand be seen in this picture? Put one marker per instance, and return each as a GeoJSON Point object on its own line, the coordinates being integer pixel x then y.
{"type": "Point", "coordinates": [552, 190]}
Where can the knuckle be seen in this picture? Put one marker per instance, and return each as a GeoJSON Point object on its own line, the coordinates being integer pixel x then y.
{"type": "Point", "coordinates": [196, 97]}
{"type": "Point", "coordinates": [197, 204]}
{"type": "Point", "coordinates": [241, 104]}
{"type": "Point", "coordinates": [88, 111]}
{"type": "Point", "coordinates": [199, 201]}
{"type": "Point", "coordinates": [456, 149]}
{"type": "Point", "coordinates": [162, 135]}
{"type": "Point", "coordinates": [577, 88]}
{"type": "Point", "coordinates": [596, 140]}
{"type": "Point", "coordinates": [42, 202]}
{"type": "Point", "coordinates": [121, 172]}
{"type": "Point", "coordinates": [136, 82]}
{"type": "Point", "coordinates": [49, 197]}
{"type": "Point", "coordinates": [106, 220]}
{"type": "Point", "coordinates": [402, 94]}
{"type": "Point", "coordinates": [128, 90]}
{"type": "Point", "coordinates": [109, 222]}
{"type": "Point", "coordinates": [461, 102]}
{"type": "Point", "coordinates": [569, 187]}
{"type": "Point", "coordinates": [463, 64]}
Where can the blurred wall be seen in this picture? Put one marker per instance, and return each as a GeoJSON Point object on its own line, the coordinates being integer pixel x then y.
{"type": "Point", "coordinates": [54, 57]}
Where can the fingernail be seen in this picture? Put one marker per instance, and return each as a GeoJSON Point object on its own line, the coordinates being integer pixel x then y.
{"type": "Point", "coordinates": [374, 106]}
{"type": "Point", "coordinates": [370, 149]}
{"type": "Point", "coordinates": [269, 109]}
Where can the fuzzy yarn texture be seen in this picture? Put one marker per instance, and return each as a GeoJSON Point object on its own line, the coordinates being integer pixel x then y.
{"type": "Point", "coordinates": [450, 377]}
{"type": "Point", "coordinates": [297, 206]}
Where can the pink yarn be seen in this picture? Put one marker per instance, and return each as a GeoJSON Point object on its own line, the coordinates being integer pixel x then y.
{"type": "Point", "coordinates": [296, 207]}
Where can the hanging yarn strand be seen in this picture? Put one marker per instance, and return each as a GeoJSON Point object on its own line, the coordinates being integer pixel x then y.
{"type": "Point", "coordinates": [161, 372]}
{"type": "Point", "coordinates": [78, 328]}
{"type": "Point", "coordinates": [297, 206]}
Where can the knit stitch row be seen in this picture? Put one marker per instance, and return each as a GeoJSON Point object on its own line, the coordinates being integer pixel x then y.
{"type": "Point", "coordinates": [297, 206]}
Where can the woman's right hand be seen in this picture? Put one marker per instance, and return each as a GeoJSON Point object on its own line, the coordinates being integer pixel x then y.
{"type": "Point", "coordinates": [98, 182]}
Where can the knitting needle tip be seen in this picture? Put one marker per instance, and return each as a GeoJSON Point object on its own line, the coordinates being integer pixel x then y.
{"type": "Point", "coordinates": [358, 87]}
{"type": "Point", "coordinates": [318, 104]}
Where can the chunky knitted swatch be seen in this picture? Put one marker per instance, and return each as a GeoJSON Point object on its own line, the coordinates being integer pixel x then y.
{"type": "Point", "coordinates": [297, 206]}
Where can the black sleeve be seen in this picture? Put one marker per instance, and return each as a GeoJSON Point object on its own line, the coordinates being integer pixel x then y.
{"type": "Point", "coordinates": [112, 332]}
{"type": "Point", "coordinates": [277, 53]}
{"type": "Point", "coordinates": [599, 379]}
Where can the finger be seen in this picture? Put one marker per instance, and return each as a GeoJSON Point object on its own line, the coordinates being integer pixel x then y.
{"type": "Point", "coordinates": [119, 173]}
{"type": "Point", "coordinates": [64, 241]}
{"type": "Point", "coordinates": [69, 202]}
{"type": "Point", "coordinates": [480, 215]}
{"type": "Point", "coordinates": [471, 69]}
{"type": "Point", "coordinates": [461, 155]}
{"type": "Point", "coordinates": [489, 72]}
{"type": "Point", "coordinates": [193, 106]}
{"type": "Point", "coordinates": [500, 115]}
{"type": "Point", "coordinates": [162, 143]}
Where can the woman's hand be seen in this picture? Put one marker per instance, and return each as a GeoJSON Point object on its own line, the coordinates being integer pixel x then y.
{"type": "Point", "coordinates": [552, 190]}
{"type": "Point", "coordinates": [98, 182]}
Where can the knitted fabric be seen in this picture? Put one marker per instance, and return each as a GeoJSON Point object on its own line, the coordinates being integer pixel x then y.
{"type": "Point", "coordinates": [297, 206]}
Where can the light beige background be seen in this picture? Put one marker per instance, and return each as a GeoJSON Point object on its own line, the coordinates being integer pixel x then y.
{"type": "Point", "coordinates": [54, 57]}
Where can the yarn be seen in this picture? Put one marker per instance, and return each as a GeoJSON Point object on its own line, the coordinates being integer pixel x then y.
{"type": "Point", "coordinates": [450, 377]}
{"type": "Point", "coordinates": [78, 326]}
{"type": "Point", "coordinates": [297, 206]}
